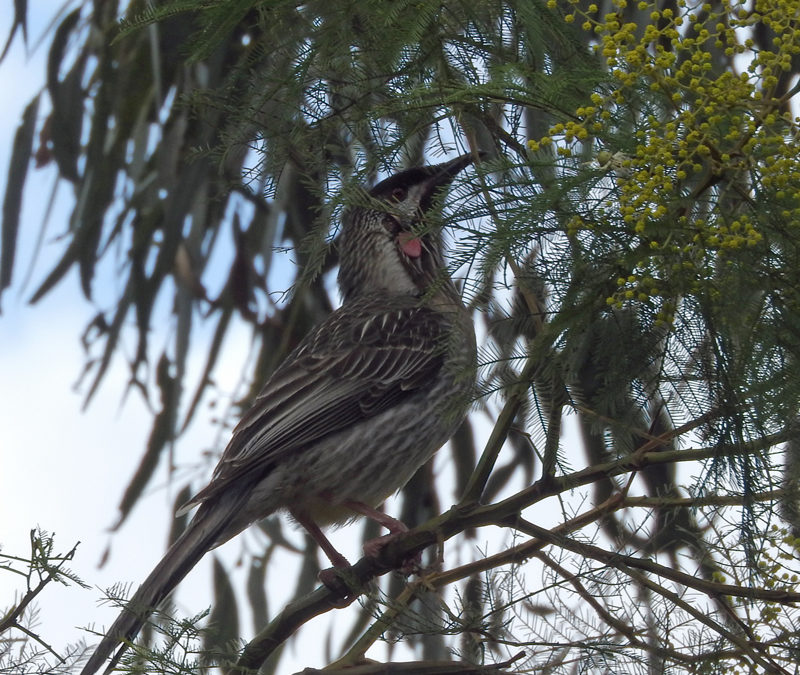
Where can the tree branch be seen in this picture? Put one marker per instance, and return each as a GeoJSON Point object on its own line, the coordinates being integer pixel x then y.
{"type": "Point", "coordinates": [416, 668]}
{"type": "Point", "coordinates": [351, 582]}
{"type": "Point", "coordinates": [711, 588]}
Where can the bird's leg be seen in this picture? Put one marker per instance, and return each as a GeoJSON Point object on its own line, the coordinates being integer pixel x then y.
{"type": "Point", "coordinates": [336, 558]}
{"type": "Point", "coordinates": [330, 576]}
{"type": "Point", "coordinates": [395, 527]}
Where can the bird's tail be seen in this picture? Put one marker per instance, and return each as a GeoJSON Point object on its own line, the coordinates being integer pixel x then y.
{"type": "Point", "coordinates": [202, 534]}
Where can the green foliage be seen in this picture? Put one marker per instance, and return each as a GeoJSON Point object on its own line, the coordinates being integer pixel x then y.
{"type": "Point", "coordinates": [629, 245]}
{"type": "Point", "coordinates": [22, 650]}
{"type": "Point", "coordinates": [698, 191]}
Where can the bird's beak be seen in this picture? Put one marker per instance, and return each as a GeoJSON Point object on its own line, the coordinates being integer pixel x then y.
{"type": "Point", "coordinates": [439, 177]}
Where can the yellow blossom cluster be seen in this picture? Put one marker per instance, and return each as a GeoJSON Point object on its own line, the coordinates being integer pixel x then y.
{"type": "Point", "coordinates": [706, 131]}
{"type": "Point", "coordinates": [778, 568]}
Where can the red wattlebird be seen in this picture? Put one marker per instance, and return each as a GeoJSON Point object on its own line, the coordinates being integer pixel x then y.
{"type": "Point", "coordinates": [355, 409]}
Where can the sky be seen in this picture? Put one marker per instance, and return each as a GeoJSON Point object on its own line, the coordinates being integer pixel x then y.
{"type": "Point", "coordinates": [62, 468]}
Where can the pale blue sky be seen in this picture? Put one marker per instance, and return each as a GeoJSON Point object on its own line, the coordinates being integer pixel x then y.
{"type": "Point", "coordinates": [64, 469]}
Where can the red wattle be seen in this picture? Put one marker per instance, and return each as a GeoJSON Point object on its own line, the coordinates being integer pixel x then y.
{"type": "Point", "coordinates": [410, 245]}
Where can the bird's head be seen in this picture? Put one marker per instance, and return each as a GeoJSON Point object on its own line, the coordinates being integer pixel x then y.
{"type": "Point", "coordinates": [385, 244]}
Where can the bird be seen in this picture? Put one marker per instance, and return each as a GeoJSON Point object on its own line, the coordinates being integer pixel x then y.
{"type": "Point", "coordinates": [364, 400]}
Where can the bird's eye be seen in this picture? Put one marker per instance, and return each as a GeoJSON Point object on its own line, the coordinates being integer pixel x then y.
{"type": "Point", "coordinates": [391, 224]}
{"type": "Point", "coordinates": [399, 194]}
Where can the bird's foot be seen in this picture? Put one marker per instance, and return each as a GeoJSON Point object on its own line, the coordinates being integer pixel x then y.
{"type": "Point", "coordinates": [373, 548]}
{"type": "Point", "coordinates": [344, 584]}
{"type": "Point", "coordinates": [396, 528]}
{"type": "Point", "coordinates": [332, 579]}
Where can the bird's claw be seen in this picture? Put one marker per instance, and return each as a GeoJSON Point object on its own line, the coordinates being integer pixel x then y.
{"type": "Point", "coordinates": [337, 580]}
{"type": "Point", "coordinates": [411, 565]}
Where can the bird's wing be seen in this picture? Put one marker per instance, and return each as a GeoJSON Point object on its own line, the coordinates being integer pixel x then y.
{"type": "Point", "coordinates": [354, 365]}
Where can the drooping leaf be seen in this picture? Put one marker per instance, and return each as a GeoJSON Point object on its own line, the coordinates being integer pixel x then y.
{"type": "Point", "coordinates": [161, 435]}
{"type": "Point", "coordinates": [257, 592]}
{"type": "Point", "coordinates": [15, 185]}
{"type": "Point", "coordinates": [20, 21]}
{"type": "Point", "coordinates": [211, 361]}
{"type": "Point", "coordinates": [220, 639]}
{"type": "Point", "coordinates": [67, 98]}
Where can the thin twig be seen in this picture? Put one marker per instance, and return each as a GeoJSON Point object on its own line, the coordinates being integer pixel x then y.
{"type": "Point", "coordinates": [711, 588]}
{"type": "Point", "coordinates": [506, 513]}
